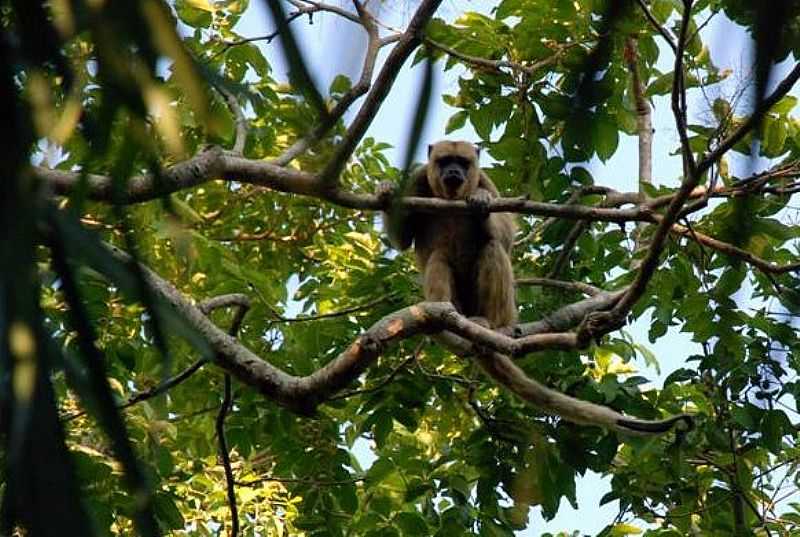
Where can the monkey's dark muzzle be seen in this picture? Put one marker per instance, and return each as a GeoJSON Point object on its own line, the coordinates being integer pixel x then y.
{"type": "Point", "coordinates": [453, 178]}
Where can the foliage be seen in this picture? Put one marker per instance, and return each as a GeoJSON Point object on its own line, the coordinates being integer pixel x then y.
{"type": "Point", "coordinates": [127, 88]}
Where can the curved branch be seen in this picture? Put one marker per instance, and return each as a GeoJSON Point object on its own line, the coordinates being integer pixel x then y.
{"type": "Point", "coordinates": [240, 121]}
{"type": "Point", "coordinates": [302, 394]}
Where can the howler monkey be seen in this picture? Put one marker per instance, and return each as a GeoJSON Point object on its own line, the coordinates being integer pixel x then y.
{"type": "Point", "coordinates": [465, 258]}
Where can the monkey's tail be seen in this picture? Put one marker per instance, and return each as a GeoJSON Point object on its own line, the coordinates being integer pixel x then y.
{"type": "Point", "coordinates": [506, 372]}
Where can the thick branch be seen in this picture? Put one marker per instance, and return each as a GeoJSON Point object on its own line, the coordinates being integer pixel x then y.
{"type": "Point", "coordinates": [304, 394]}
{"type": "Point", "coordinates": [218, 164]}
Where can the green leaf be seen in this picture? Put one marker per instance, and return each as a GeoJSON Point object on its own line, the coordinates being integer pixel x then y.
{"type": "Point", "coordinates": [784, 106]}
{"type": "Point", "coordinates": [605, 137]}
{"type": "Point", "coordinates": [411, 524]}
{"type": "Point", "coordinates": [195, 13]}
{"type": "Point", "coordinates": [167, 512]}
{"type": "Point", "coordinates": [773, 427]}
{"type": "Point", "coordinates": [456, 121]}
{"type": "Point", "coordinates": [662, 85]}
{"type": "Point", "coordinates": [341, 84]}
{"type": "Point", "coordinates": [773, 136]}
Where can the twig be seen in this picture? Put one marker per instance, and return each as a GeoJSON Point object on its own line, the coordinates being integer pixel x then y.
{"type": "Point", "coordinates": [579, 287]}
{"type": "Point", "coordinates": [374, 44]}
{"type": "Point", "coordinates": [301, 481]}
{"type": "Point", "coordinates": [734, 251]}
{"type": "Point", "coordinates": [385, 380]}
{"type": "Point", "coordinates": [566, 249]}
{"type": "Point", "coordinates": [332, 314]}
{"type": "Point", "coordinates": [678, 98]}
{"type": "Point", "coordinates": [240, 136]}
{"type": "Point", "coordinates": [499, 65]}
{"type": "Point", "coordinates": [660, 29]}
{"type": "Point", "coordinates": [780, 91]}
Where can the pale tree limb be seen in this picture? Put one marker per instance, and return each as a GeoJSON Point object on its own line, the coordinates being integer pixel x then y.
{"type": "Point", "coordinates": [644, 132]}
{"type": "Point", "coordinates": [644, 124]}
{"type": "Point", "coordinates": [215, 163]}
{"type": "Point", "coordinates": [374, 44]}
{"type": "Point", "coordinates": [405, 45]}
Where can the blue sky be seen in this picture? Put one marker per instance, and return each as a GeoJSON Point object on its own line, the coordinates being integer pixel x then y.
{"type": "Point", "coordinates": [333, 45]}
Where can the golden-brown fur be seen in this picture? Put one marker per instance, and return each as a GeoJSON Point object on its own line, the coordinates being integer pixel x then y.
{"type": "Point", "coordinates": [464, 259]}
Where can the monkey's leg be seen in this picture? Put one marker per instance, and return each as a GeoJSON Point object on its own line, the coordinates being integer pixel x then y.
{"type": "Point", "coordinates": [496, 298]}
{"type": "Point", "coordinates": [439, 281]}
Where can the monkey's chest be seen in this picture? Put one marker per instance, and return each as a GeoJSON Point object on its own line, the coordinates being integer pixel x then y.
{"type": "Point", "coordinates": [460, 239]}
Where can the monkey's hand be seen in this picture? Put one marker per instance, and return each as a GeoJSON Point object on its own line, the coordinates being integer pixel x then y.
{"type": "Point", "coordinates": [386, 192]}
{"type": "Point", "coordinates": [479, 201]}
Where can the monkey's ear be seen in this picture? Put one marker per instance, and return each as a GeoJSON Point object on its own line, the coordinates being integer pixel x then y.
{"type": "Point", "coordinates": [430, 148]}
{"type": "Point", "coordinates": [477, 150]}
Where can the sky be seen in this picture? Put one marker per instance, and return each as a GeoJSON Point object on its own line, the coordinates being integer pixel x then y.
{"type": "Point", "coordinates": [332, 37]}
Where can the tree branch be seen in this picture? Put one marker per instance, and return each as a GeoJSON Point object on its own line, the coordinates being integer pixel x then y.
{"type": "Point", "coordinates": [303, 394]}
{"type": "Point", "coordinates": [734, 251]}
{"type": "Point", "coordinates": [214, 163]}
{"type": "Point", "coordinates": [768, 102]}
{"type": "Point", "coordinates": [615, 318]}
{"type": "Point", "coordinates": [577, 287]}
{"type": "Point", "coordinates": [240, 136]}
{"type": "Point", "coordinates": [660, 29]}
{"type": "Point", "coordinates": [499, 65]}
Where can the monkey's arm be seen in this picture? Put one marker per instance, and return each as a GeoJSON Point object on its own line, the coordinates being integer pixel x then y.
{"type": "Point", "coordinates": [400, 224]}
{"type": "Point", "coordinates": [499, 226]}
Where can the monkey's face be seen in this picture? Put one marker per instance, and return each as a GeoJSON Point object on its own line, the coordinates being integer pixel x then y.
{"type": "Point", "coordinates": [453, 169]}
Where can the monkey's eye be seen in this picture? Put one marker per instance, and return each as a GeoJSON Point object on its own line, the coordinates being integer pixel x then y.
{"type": "Point", "coordinates": [458, 161]}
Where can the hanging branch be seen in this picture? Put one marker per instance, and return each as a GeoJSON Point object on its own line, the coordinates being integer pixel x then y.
{"type": "Point", "coordinates": [225, 407]}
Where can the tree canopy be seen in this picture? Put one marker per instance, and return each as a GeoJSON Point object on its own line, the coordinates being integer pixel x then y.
{"type": "Point", "coordinates": [203, 330]}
